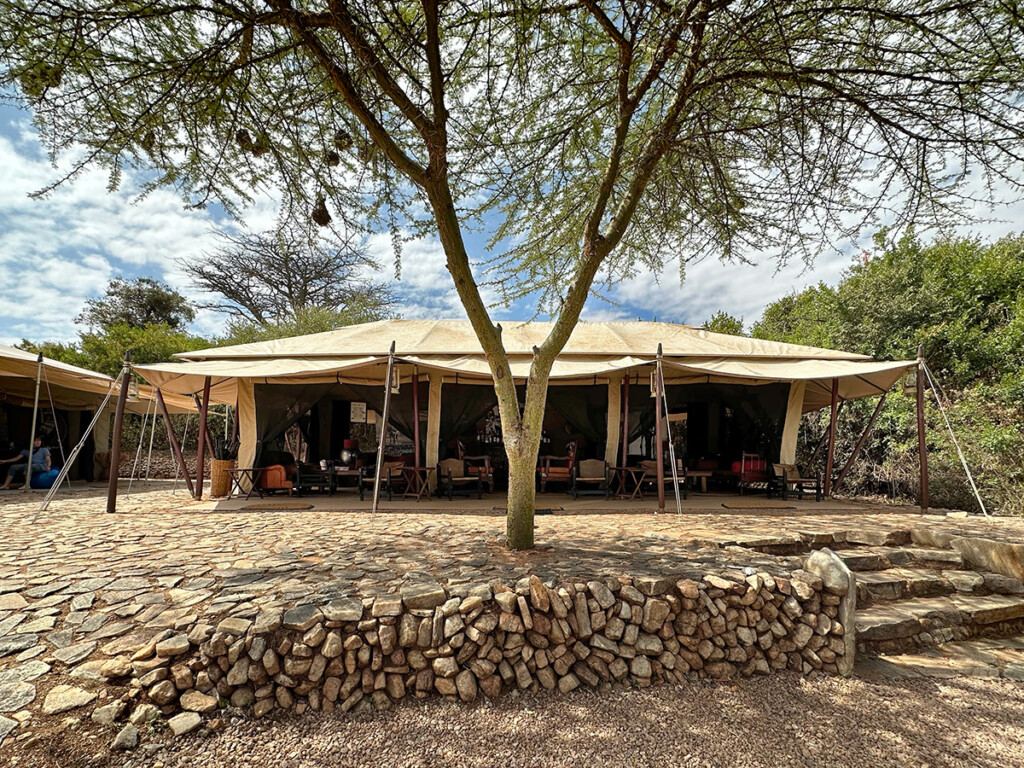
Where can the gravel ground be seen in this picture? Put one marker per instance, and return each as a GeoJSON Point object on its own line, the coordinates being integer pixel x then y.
{"type": "Point", "coordinates": [778, 721]}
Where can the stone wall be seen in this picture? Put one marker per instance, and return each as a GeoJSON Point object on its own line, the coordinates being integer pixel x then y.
{"type": "Point", "coordinates": [352, 654]}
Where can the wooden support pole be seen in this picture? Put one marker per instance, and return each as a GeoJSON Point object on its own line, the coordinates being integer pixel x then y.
{"type": "Point", "coordinates": [860, 443]}
{"type": "Point", "coordinates": [659, 458]}
{"type": "Point", "coordinates": [625, 421]}
{"type": "Point", "coordinates": [830, 457]}
{"type": "Point", "coordinates": [204, 435]}
{"type": "Point", "coordinates": [416, 426]}
{"type": "Point", "coordinates": [922, 446]}
{"type": "Point", "coordinates": [823, 440]}
{"type": "Point", "coordinates": [172, 438]}
{"type": "Point", "coordinates": [416, 418]}
{"type": "Point", "coordinates": [115, 443]}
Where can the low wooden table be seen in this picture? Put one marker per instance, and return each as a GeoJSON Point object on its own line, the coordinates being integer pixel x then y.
{"type": "Point", "coordinates": [252, 474]}
{"type": "Point", "coordinates": [703, 474]}
{"type": "Point", "coordinates": [417, 481]}
{"type": "Point", "coordinates": [340, 472]}
{"type": "Point", "coordinates": [638, 475]}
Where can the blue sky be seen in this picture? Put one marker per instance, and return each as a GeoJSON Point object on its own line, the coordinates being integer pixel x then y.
{"type": "Point", "coordinates": [58, 251]}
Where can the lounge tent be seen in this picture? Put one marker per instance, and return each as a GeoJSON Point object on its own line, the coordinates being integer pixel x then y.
{"type": "Point", "coordinates": [447, 354]}
{"type": "Point", "coordinates": [68, 388]}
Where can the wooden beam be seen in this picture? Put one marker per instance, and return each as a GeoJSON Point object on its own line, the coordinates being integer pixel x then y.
{"type": "Point", "coordinates": [831, 455]}
{"type": "Point", "coordinates": [172, 438]}
{"type": "Point", "coordinates": [203, 437]}
{"type": "Point", "coordinates": [115, 447]}
{"type": "Point", "coordinates": [922, 446]}
{"type": "Point", "coordinates": [860, 443]}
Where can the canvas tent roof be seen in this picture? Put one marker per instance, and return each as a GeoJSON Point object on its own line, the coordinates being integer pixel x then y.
{"type": "Point", "coordinates": [68, 386]}
{"type": "Point", "coordinates": [595, 350]}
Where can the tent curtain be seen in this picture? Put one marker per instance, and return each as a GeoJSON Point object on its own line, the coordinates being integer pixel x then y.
{"type": "Point", "coordinates": [279, 406]}
{"type": "Point", "coordinates": [585, 408]}
{"type": "Point", "coordinates": [462, 406]}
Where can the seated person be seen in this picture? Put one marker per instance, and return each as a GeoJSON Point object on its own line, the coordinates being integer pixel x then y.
{"type": "Point", "coordinates": [16, 472]}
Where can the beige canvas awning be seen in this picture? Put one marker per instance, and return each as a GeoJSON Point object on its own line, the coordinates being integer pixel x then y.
{"type": "Point", "coordinates": [857, 378]}
{"type": "Point", "coordinates": [68, 387]}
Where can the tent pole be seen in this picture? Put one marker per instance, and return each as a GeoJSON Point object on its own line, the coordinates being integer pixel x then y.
{"type": "Point", "coordinates": [172, 438]}
{"type": "Point", "coordinates": [416, 422]}
{"type": "Point", "coordinates": [115, 442]}
{"type": "Point", "coordinates": [383, 427]}
{"type": "Point", "coordinates": [831, 455]}
{"type": "Point", "coordinates": [204, 437]}
{"type": "Point", "coordinates": [625, 420]}
{"type": "Point", "coordinates": [668, 426]}
{"type": "Point", "coordinates": [922, 447]}
{"type": "Point", "coordinates": [152, 434]}
{"type": "Point", "coordinates": [658, 457]}
{"type": "Point", "coordinates": [35, 419]}
{"type": "Point", "coordinates": [860, 443]}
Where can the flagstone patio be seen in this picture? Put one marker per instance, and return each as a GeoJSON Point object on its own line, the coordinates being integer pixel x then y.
{"type": "Point", "coordinates": [78, 586]}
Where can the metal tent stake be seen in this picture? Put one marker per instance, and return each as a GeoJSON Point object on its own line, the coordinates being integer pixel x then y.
{"type": "Point", "coordinates": [383, 427]}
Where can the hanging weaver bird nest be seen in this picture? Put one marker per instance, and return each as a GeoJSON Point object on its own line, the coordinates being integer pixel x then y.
{"type": "Point", "coordinates": [244, 140]}
{"type": "Point", "coordinates": [149, 141]}
{"type": "Point", "coordinates": [342, 140]}
{"type": "Point", "coordinates": [366, 153]}
{"type": "Point", "coordinates": [321, 215]}
{"type": "Point", "coordinates": [332, 158]}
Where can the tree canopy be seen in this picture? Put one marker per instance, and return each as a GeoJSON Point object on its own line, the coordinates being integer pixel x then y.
{"type": "Point", "coordinates": [961, 301]}
{"type": "Point", "coordinates": [138, 303]}
{"type": "Point", "coordinates": [269, 278]}
{"type": "Point", "coordinates": [723, 127]}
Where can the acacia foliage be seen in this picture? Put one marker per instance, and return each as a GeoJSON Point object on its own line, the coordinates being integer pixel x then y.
{"type": "Point", "coordinates": [961, 301]}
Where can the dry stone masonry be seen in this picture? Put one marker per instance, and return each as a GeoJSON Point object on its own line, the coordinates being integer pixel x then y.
{"type": "Point", "coordinates": [353, 654]}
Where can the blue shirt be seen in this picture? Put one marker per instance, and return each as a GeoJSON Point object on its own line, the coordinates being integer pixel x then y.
{"type": "Point", "coordinates": [38, 458]}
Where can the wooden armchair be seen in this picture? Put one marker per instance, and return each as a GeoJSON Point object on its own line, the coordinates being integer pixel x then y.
{"type": "Point", "coordinates": [650, 467]}
{"type": "Point", "coordinates": [452, 478]}
{"type": "Point", "coordinates": [753, 475]}
{"type": "Point", "coordinates": [592, 474]}
{"type": "Point", "coordinates": [783, 477]}
{"type": "Point", "coordinates": [391, 479]}
{"type": "Point", "coordinates": [481, 467]}
{"type": "Point", "coordinates": [556, 469]}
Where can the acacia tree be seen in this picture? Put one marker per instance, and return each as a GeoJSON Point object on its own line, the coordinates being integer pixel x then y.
{"type": "Point", "coordinates": [271, 277]}
{"type": "Point", "coordinates": [604, 136]}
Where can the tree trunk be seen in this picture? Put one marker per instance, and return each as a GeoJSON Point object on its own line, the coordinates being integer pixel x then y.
{"type": "Point", "coordinates": [521, 500]}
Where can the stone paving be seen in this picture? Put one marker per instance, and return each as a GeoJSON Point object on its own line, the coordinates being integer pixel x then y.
{"type": "Point", "coordinates": [987, 657]}
{"type": "Point", "coordinates": [77, 585]}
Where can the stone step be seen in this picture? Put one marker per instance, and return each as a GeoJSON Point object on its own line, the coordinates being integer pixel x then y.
{"type": "Point", "coordinates": [881, 558]}
{"type": "Point", "coordinates": [984, 657]}
{"type": "Point", "coordinates": [910, 618]}
{"type": "Point", "coordinates": [902, 583]}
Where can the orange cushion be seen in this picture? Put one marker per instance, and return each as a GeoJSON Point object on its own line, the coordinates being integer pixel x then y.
{"type": "Point", "coordinates": [275, 477]}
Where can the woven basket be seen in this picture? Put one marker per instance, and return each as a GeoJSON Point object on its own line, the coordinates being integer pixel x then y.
{"type": "Point", "coordinates": [220, 480]}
